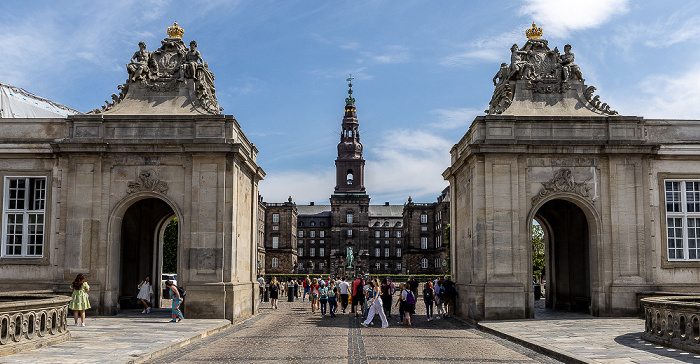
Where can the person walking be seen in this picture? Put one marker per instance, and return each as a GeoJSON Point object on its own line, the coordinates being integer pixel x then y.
{"type": "Point", "coordinates": [145, 294]}
{"type": "Point", "coordinates": [261, 284]}
{"type": "Point", "coordinates": [375, 304]}
{"type": "Point", "coordinates": [333, 299]}
{"type": "Point", "coordinates": [79, 301]}
{"type": "Point", "coordinates": [450, 296]}
{"type": "Point", "coordinates": [323, 297]}
{"type": "Point", "coordinates": [306, 284]}
{"type": "Point", "coordinates": [274, 292]}
{"type": "Point", "coordinates": [176, 314]}
{"type": "Point", "coordinates": [313, 294]}
{"type": "Point", "coordinates": [439, 295]}
{"type": "Point", "coordinates": [344, 290]}
{"type": "Point", "coordinates": [413, 285]}
{"type": "Point", "coordinates": [428, 299]}
{"type": "Point", "coordinates": [385, 290]}
{"type": "Point", "coordinates": [407, 303]}
{"type": "Point", "coordinates": [357, 295]}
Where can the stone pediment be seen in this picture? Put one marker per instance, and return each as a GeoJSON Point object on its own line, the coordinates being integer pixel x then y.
{"type": "Point", "coordinates": [542, 81]}
{"type": "Point", "coordinates": [172, 80]}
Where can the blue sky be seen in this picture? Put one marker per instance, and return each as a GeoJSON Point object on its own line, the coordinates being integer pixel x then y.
{"type": "Point", "coordinates": [422, 70]}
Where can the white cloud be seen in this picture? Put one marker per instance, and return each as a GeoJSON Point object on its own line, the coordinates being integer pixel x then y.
{"type": "Point", "coordinates": [559, 17]}
{"type": "Point", "coordinates": [455, 118]}
{"type": "Point", "coordinates": [667, 96]}
{"type": "Point", "coordinates": [489, 49]}
{"type": "Point", "coordinates": [407, 163]}
{"type": "Point", "coordinates": [304, 187]}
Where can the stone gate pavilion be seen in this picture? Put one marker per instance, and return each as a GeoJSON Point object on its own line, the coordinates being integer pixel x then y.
{"type": "Point", "coordinates": [93, 193]}
{"type": "Point", "coordinates": [618, 197]}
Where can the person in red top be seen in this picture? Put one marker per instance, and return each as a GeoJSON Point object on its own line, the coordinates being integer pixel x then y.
{"type": "Point", "coordinates": [313, 294]}
{"type": "Point", "coordinates": [358, 295]}
{"type": "Point", "coordinates": [305, 282]}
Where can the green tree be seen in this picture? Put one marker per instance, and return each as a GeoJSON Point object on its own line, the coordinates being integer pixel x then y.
{"type": "Point", "coordinates": [170, 247]}
{"type": "Point", "coordinates": [537, 252]}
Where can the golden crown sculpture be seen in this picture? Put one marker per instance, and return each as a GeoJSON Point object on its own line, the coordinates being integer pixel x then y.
{"type": "Point", "coordinates": [534, 32]}
{"type": "Point", "coordinates": [175, 31]}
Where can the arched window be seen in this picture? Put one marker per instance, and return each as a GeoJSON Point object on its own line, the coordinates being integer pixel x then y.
{"type": "Point", "coordinates": [275, 263]}
{"type": "Point", "coordinates": [301, 223]}
{"type": "Point", "coordinates": [423, 263]}
{"type": "Point", "coordinates": [313, 223]}
{"type": "Point", "coordinates": [350, 177]}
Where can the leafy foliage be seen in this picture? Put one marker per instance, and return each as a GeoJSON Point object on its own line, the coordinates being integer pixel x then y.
{"type": "Point", "coordinates": [170, 248]}
{"type": "Point", "coordinates": [538, 268]}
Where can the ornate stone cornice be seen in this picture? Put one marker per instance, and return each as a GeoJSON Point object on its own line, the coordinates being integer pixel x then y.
{"type": "Point", "coordinates": [147, 181]}
{"type": "Point", "coordinates": [563, 181]}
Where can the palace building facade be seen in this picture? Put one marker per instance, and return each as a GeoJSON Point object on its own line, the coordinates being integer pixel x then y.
{"type": "Point", "coordinates": [350, 235]}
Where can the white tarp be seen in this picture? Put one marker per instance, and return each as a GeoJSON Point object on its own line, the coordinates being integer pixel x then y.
{"type": "Point", "coordinates": [18, 103]}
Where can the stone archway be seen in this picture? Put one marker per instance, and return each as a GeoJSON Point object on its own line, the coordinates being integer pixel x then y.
{"type": "Point", "coordinates": [141, 246]}
{"type": "Point", "coordinates": [567, 255]}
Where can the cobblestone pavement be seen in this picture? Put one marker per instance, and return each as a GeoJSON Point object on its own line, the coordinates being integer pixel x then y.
{"type": "Point", "coordinates": [588, 339]}
{"type": "Point", "coordinates": [293, 334]}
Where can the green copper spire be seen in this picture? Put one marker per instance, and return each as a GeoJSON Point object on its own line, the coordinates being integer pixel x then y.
{"type": "Point", "coordinates": [350, 100]}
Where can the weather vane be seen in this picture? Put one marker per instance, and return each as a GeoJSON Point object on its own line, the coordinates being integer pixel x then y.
{"type": "Point", "coordinates": [350, 100]}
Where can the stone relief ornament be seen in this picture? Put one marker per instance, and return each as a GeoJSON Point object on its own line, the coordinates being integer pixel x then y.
{"type": "Point", "coordinates": [563, 181]}
{"type": "Point", "coordinates": [539, 69]}
{"type": "Point", "coordinates": [147, 181]}
{"type": "Point", "coordinates": [168, 69]}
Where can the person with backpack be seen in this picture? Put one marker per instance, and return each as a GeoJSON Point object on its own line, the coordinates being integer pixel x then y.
{"type": "Point", "coordinates": [333, 299]}
{"type": "Point", "coordinates": [428, 299]}
{"type": "Point", "coordinates": [323, 297]}
{"type": "Point", "coordinates": [439, 296]}
{"type": "Point", "coordinates": [274, 292]}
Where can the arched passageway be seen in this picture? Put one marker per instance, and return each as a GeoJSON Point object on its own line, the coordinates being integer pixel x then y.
{"type": "Point", "coordinates": [567, 255]}
{"type": "Point", "coordinates": [141, 253]}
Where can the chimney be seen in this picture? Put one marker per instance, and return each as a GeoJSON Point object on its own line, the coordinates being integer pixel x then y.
{"type": "Point", "coordinates": [311, 203]}
{"type": "Point", "coordinates": [386, 204]}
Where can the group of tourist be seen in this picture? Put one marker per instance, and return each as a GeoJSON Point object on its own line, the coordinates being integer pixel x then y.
{"type": "Point", "coordinates": [366, 296]}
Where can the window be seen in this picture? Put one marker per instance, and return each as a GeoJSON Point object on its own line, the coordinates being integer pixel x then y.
{"type": "Point", "coordinates": [376, 252]}
{"type": "Point", "coordinates": [682, 219]}
{"type": "Point", "coordinates": [321, 241]}
{"type": "Point", "coordinates": [321, 233]}
{"type": "Point", "coordinates": [301, 265]}
{"type": "Point", "coordinates": [378, 266]}
{"type": "Point", "coordinates": [377, 234]}
{"type": "Point", "coordinates": [275, 242]}
{"type": "Point", "coordinates": [386, 252]}
{"type": "Point", "coordinates": [301, 223]}
{"type": "Point", "coordinates": [321, 265]}
{"type": "Point", "coordinates": [349, 232]}
{"type": "Point", "coordinates": [312, 241]}
{"type": "Point", "coordinates": [349, 217]}
{"type": "Point", "coordinates": [386, 266]}
{"type": "Point", "coordinates": [275, 217]}
{"type": "Point", "coordinates": [424, 263]}
{"type": "Point", "coordinates": [275, 227]}
{"type": "Point", "coordinates": [398, 266]}
{"type": "Point", "coordinates": [438, 242]}
{"type": "Point", "coordinates": [312, 252]}
{"type": "Point", "coordinates": [398, 234]}
{"type": "Point", "coordinates": [423, 219]}
{"type": "Point", "coordinates": [312, 233]}
{"type": "Point", "coordinates": [300, 252]}
{"type": "Point", "coordinates": [386, 233]}
{"type": "Point", "coordinates": [311, 264]}
{"type": "Point", "coordinates": [437, 262]}
{"type": "Point", "coordinates": [424, 242]}
{"type": "Point", "coordinates": [321, 252]}
{"type": "Point", "coordinates": [275, 263]}
{"type": "Point", "coordinates": [300, 234]}
{"type": "Point", "coordinates": [301, 242]}
{"type": "Point", "coordinates": [398, 252]}
{"type": "Point", "coordinates": [349, 177]}
{"type": "Point", "coordinates": [386, 241]}
{"type": "Point", "coordinates": [313, 223]}
{"type": "Point", "coordinates": [23, 228]}
{"type": "Point", "coordinates": [423, 228]}
{"type": "Point", "coordinates": [376, 242]}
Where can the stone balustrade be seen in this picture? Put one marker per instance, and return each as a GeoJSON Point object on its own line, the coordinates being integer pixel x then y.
{"type": "Point", "coordinates": [673, 321]}
{"type": "Point", "coordinates": [29, 321]}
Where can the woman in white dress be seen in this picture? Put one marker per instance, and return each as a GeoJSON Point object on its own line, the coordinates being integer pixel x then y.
{"type": "Point", "coordinates": [145, 294]}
